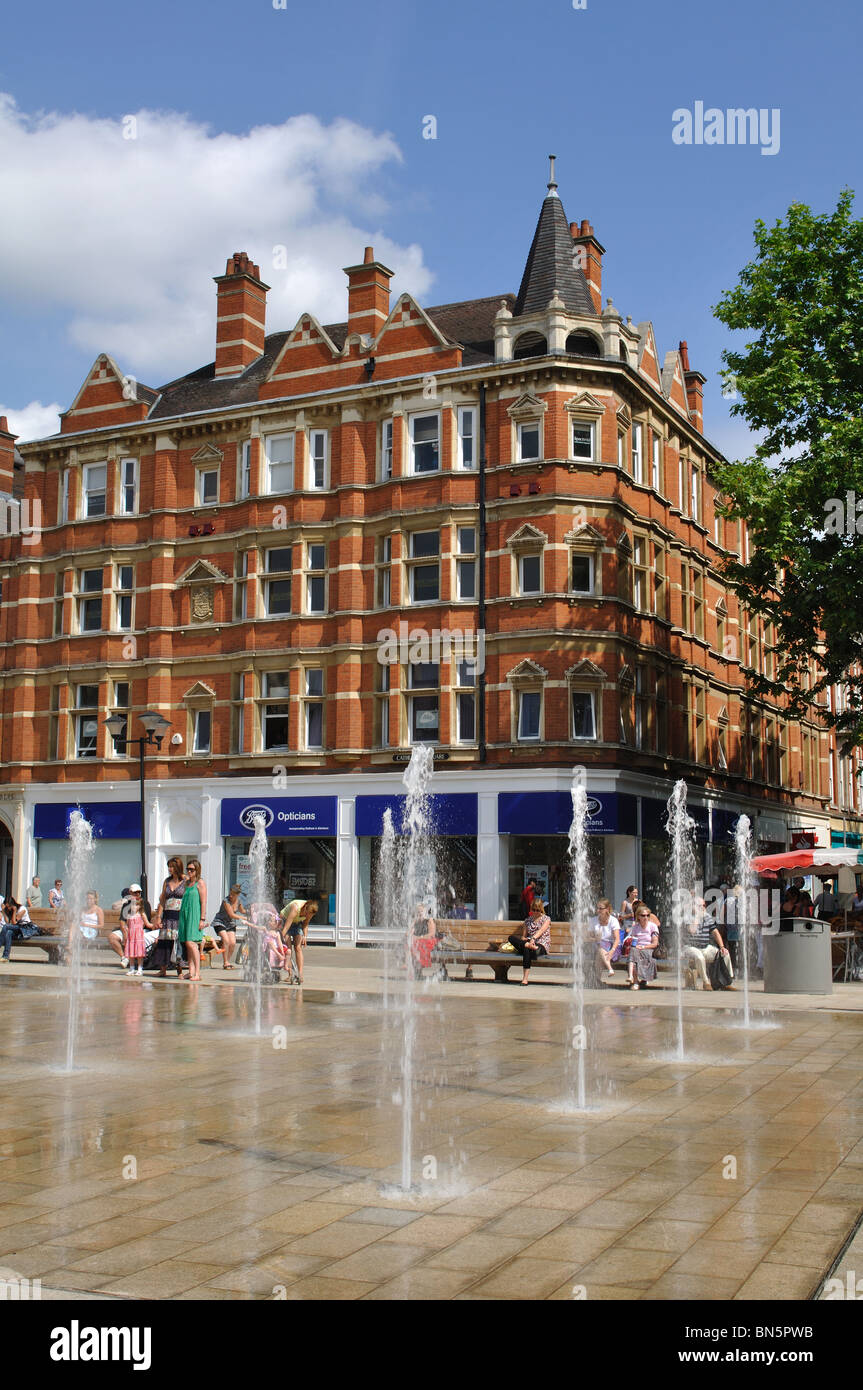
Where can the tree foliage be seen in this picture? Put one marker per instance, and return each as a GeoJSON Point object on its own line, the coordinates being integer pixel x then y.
{"type": "Point", "coordinates": [800, 381]}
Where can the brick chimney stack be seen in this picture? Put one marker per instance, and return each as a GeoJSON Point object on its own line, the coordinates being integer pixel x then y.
{"type": "Point", "coordinates": [368, 294]}
{"type": "Point", "coordinates": [7, 457]}
{"type": "Point", "coordinates": [590, 259]}
{"type": "Point", "coordinates": [241, 313]}
{"type": "Point", "coordinates": [694, 389]}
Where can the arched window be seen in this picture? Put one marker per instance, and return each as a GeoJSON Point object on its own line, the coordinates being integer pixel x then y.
{"type": "Point", "coordinates": [624, 354]}
{"type": "Point", "coordinates": [530, 345]}
{"type": "Point", "coordinates": [584, 344]}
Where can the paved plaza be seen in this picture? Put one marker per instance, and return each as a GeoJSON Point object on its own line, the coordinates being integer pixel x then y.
{"type": "Point", "coordinates": [187, 1158]}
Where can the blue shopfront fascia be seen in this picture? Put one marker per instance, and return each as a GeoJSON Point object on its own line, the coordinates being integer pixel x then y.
{"type": "Point", "coordinates": [283, 815]}
{"type": "Point", "coordinates": [449, 813]}
{"type": "Point", "coordinates": [550, 813]}
{"type": "Point", "coordinates": [111, 820]}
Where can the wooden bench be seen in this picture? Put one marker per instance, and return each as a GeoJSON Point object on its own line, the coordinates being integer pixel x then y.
{"type": "Point", "coordinates": [479, 943]}
{"type": "Point", "coordinates": [52, 936]}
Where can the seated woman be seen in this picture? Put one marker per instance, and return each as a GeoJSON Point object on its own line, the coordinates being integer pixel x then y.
{"type": "Point", "coordinates": [606, 930]}
{"type": "Point", "coordinates": [535, 938]}
{"type": "Point", "coordinates": [645, 939]}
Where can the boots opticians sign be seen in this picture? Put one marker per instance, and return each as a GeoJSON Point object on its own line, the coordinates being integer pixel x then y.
{"type": "Point", "coordinates": [284, 815]}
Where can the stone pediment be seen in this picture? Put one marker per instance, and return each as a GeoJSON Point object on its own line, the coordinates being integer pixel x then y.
{"type": "Point", "coordinates": [584, 670]}
{"type": "Point", "coordinates": [527, 670]}
{"type": "Point", "coordinates": [527, 407]}
{"type": "Point", "coordinates": [527, 537]}
{"type": "Point", "coordinates": [199, 691]}
{"type": "Point", "coordinates": [202, 572]}
{"type": "Point", "coordinates": [626, 679]}
{"type": "Point", "coordinates": [624, 543]}
{"type": "Point", "coordinates": [584, 535]}
{"type": "Point", "coordinates": [585, 404]}
{"type": "Point", "coordinates": [208, 453]}
{"type": "Point", "coordinates": [624, 417]}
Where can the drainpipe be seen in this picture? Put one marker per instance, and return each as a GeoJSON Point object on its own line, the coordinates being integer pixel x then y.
{"type": "Point", "coordinates": [482, 572]}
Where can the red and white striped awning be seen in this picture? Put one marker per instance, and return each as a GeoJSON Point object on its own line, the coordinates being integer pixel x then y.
{"type": "Point", "coordinates": [808, 861]}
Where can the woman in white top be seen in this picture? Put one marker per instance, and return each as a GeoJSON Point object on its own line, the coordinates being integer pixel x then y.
{"type": "Point", "coordinates": [92, 919]}
{"type": "Point", "coordinates": [605, 928]}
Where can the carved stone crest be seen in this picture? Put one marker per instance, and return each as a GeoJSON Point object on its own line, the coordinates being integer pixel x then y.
{"type": "Point", "coordinates": [202, 604]}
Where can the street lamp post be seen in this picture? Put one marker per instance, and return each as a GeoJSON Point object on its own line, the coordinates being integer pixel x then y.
{"type": "Point", "coordinates": [155, 727]}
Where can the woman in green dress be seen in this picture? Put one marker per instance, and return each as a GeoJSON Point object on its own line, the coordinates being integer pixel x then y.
{"type": "Point", "coordinates": [193, 913]}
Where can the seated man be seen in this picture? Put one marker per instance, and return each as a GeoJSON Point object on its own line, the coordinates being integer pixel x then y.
{"type": "Point", "coordinates": [703, 946]}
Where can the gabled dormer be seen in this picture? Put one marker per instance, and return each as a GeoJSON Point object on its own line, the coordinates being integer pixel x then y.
{"type": "Point", "coordinates": [107, 397]}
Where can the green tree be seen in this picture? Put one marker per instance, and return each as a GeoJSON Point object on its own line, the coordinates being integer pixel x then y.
{"type": "Point", "coordinates": [800, 382]}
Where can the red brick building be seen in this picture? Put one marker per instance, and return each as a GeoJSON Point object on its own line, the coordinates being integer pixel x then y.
{"type": "Point", "coordinates": [238, 548]}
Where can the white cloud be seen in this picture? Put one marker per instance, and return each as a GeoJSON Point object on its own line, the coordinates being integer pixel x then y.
{"type": "Point", "coordinates": [33, 421]}
{"type": "Point", "coordinates": [124, 235]}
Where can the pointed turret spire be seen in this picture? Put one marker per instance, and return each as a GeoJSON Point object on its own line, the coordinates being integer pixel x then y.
{"type": "Point", "coordinates": [552, 264]}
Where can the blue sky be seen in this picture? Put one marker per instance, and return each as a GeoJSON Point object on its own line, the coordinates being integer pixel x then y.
{"type": "Point", "coordinates": [111, 244]}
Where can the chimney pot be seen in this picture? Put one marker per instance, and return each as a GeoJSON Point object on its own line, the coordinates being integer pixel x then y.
{"type": "Point", "coordinates": [369, 255]}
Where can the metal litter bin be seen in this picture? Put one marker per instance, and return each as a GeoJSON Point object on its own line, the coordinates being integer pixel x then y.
{"type": "Point", "coordinates": [797, 957]}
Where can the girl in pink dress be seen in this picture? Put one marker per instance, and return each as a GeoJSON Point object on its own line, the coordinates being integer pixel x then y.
{"type": "Point", "coordinates": [135, 945]}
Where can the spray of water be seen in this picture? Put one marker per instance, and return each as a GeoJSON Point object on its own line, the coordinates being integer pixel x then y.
{"type": "Point", "coordinates": [682, 872]}
{"type": "Point", "coordinates": [262, 890]}
{"type": "Point", "coordinates": [742, 877]}
{"type": "Point", "coordinates": [79, 861]}
{"type": "Point", "coordinates": [576, 1050]}
{"type": "Point", "coordinates": [407, 877]}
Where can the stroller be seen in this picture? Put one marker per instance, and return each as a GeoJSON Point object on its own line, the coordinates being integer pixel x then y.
{"type": "Point", "coordinates": [253, 959]}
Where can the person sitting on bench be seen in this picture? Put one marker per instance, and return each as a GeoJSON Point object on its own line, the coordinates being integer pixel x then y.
{"type": "Point", "coordinates": [535, 938]}
{"type": "Point", "coordinates": [17, 926]}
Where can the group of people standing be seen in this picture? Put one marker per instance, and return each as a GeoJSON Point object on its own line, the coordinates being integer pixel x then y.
{"type": "Point", "coordinates": [176, 930]}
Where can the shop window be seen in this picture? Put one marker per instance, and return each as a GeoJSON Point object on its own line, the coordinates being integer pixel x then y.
{"type": "Point", "coordinates": [319, 459]}
{"type": "Point", "coordinates": [90, 600]}
{"type": "Point", "coordinates": [206, 487]}
{"type": "Point", "coordinates": [275, 711]}
{"type": "Point", "coordinates": [128, 486]}
{"type": "Point", "coordinates": [583, 704]}
{"type": "Point", "coordinates": [466, 563]}
{"type": "Point", "coordinates": [278, 590]}
{"type": "Point", "coordinates": [123, 598]}
{"type": "Point", "coordinates": [424, 566]}
{"type": "Point", "coordinates": [279, 471]}
{"type": "Point", "coordinates": [424, 709]}
{"type": "Point", "coordinates": [425, 443]}
{"type": "Point", "coordinates": [314, 708]}
{"type": "Point", "coordinates": [529, 715]}
{"type": "Point", "coordinates": [466, 702]}
{"type": "Point", "coordinates": [466, 436]}
{"type": "Point", "coordinates": [95, 489]}
{"type": "Point", "coordinates": [316, 582]}
{"type": "Point", "coordinates": [86, 721]}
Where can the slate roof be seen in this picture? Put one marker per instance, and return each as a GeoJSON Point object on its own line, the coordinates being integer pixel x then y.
{"type": "Point", "coordinates": [550, 266]}
{"type": "Point", "coordinates": [469, 323]}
